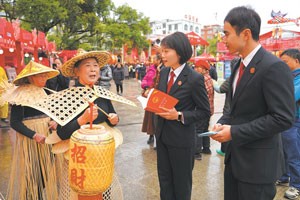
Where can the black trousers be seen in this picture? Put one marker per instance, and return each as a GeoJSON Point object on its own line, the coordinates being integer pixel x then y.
{"type": "Point", "coordinates": [201, 142]}
{"type": "Point", "coordinates": [119, 87]}
{"type": "Point", "coordinates": [238, 190]}
{"type": "Point", "coordinates": [174, 166]}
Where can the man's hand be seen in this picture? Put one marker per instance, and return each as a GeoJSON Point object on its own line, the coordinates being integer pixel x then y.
{"type": "Point", "coordinates": [169, 114]}
{"type": "Point", "coordinates": [223, 134]}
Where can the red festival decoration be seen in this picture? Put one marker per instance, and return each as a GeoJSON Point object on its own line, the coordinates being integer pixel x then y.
{"type": "Point", "coordinates": [280, 39]}
{"type": "Point", "coordinates": [7, 38]}
{"type": "Point", "coordinates": [279, 18]}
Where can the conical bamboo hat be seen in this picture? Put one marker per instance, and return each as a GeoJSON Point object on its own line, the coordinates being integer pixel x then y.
{"type": "Point", "coordinates": [67, 69]}
{"type": "Point", "coordinates": [33, 68]}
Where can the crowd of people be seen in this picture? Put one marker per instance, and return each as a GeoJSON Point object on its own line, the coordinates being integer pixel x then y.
{"type": "Point", "coordinates": [258, 131]}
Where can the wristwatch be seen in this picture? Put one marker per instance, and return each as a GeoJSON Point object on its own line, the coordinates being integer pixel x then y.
{"type": "Point", "coordinates": [179, 116]}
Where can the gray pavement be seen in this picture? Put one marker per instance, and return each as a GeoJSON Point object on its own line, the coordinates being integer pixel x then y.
{"type": "Point", "coordinates": [135, 160]}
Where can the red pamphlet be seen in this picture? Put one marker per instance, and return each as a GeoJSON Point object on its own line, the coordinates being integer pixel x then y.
{"type": "Point", "coordinates": [157, 99]}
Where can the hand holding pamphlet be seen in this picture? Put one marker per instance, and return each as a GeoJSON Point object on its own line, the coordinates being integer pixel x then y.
{"type": "Point", "coordinates": [156, 100]}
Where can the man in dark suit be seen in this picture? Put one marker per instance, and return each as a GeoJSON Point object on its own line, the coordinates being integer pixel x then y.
{"type": "Point", "coordinates": [175, 130]}
{"type": "Point", "coordinates": [262, 106]}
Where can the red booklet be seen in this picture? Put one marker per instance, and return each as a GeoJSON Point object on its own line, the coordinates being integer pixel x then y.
{"type": "Point", "coordinates": [157, 99]}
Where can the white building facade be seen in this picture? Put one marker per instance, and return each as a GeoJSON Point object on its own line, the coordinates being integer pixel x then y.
{"type": "Point", "coordinates": [165, 27]}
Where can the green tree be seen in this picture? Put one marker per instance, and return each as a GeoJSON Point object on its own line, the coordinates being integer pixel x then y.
{"type": "Point", "coordinates": [128, 27]}
{"type": "Point", "coordinates": [39, 14]}
{"type": "Point", "coordinates": [81, 23]}
{"type": "Point", "coordinates": [212, 48]}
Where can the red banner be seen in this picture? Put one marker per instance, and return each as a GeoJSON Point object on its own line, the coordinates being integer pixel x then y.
{"type": "Point", "coordinates": [41, 40]}
{"type": "Point", "coordinates": [7, 39]}
{"type": "Point", "coordinates": [27, 41]}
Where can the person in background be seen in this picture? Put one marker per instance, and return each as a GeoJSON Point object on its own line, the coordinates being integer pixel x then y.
{"type": "Point", "coordinates": [147, 84]}
{"type": "Point", "coordinates": [59, 82]}
{"type": "Point", "coordinates": [105, 77]}
{"type": "Point", "coordinates": [213, 72]}
{"type": "Point", "coordinates": [130, 70]}
{"type": "Point", "coordinates": [175, 128]}
{"type": "Point", "coordinates": [202, 67]}
{"type": "Point", "coordinates": [126, 71]}
{"type": "Point", "coordinates": [261, 107]}
{"type": "Point", "coordinates": [137, 68]}
{"type": "Point", "coordinates": [142, 71]}
{"type": "Point", "coordinates": [291, 137]}
{"type": "Point", "coordinates": [4, 107]}
{"type": "Point", "coordinates": [33, 170]}
{"type": "Point", "coordinates": [224, 88]}
{"type": "Point", "coordinates": [118, 76]}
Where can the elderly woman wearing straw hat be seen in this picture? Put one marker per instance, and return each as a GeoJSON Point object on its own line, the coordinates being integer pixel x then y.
{"type": "Point", "coordinates": [85, 66]}
{"type": "Point", "coordinates": [33, 171]}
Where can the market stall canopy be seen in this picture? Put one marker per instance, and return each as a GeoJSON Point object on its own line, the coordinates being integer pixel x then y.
{"type": "Point", "coordinates": [280, 39]}
{"type": "Point", "coordinates": [204, 56]}
{"type": "Point", "coordinates": [221, 47]}
{"type": "Point", "coordinates": [196, 39]}
{"type": "Point", "coordinates": [227, 56]}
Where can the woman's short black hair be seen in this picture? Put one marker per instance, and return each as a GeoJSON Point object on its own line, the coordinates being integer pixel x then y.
{"type": "Point", "coordinates": [241, 18]}
{"type": "Point", "coordinates": [180, 43]}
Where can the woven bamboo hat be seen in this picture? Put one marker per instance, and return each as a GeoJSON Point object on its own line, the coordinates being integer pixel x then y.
{"type": "Point", "coordinates": [33, 68]}
{"type": "Point", "coordinates": [102, 57]}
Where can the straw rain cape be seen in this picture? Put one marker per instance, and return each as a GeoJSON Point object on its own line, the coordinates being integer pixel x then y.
{"type": "Point", "coordinates": [63, 106]}
{"type": "Point", "coordinates": [24, 95]}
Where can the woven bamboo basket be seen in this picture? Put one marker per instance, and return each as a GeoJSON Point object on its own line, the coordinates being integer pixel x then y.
{"type": "Point", "coordinates": [91, 160]}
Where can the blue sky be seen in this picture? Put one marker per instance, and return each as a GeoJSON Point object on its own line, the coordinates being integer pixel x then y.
{"type": "Point", "coordinates": [213, 11]}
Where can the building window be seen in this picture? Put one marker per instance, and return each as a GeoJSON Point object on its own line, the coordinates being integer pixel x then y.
{"type": "Point", "coordinates": [185, 27]}
{"type": "Point", "coordinates": [170, 27]}
{"type": "Point", "coordinates": [197, 29]}
{"type": "Point", "coordinates": [164, 25]}
{"type": "Point", "coordinates": [176, 27]}
{"type": "Point", "coordinates": [191, 28]}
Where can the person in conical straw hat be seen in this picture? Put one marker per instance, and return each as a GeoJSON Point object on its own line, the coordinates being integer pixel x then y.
{"type": "Point", "coordinates": [85, 67]}
{"type": "Point", "coordinates": [33, 171]}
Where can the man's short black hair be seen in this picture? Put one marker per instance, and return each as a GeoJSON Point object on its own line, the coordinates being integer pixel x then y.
{"type": "Point", "coordinates": [241, 18]}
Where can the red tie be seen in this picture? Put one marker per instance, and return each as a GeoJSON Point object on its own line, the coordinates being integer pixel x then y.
{"type": "Point", "coordinates": [171, 81]}
{"type": "Point", "coordinates": [241, 72]}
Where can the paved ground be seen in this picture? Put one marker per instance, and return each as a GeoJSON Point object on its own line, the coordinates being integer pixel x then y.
{"type": "Point", "coordinates": [136, 161]}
